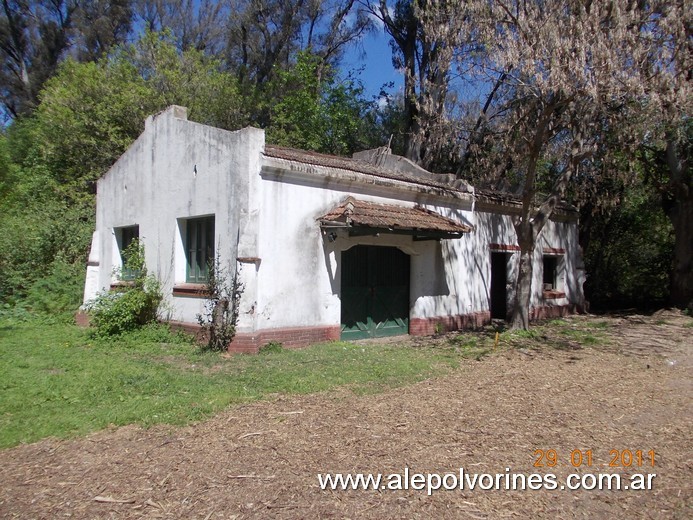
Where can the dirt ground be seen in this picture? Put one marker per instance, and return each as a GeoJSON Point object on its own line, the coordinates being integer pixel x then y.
{"type": "Point", "coordinates": [261, 460]}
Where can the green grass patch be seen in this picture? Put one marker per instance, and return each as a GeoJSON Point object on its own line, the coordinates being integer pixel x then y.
{"type": "Point", "coordinates": [598, 325]}
{"type": "Point", "coordinates": [523, 334]}
{"type": "Point", "coordinates": [557, 323]}
{"type": "Point", "coordinates": [55, 380]}
{"type": "Point", "coordinates": [558, 333]}
{"type": "Point", "coordinates": [574, 336]}
{"type": "Point", "coordinates": [472, 345]}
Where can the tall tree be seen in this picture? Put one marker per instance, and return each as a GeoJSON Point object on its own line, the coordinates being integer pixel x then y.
{"type": "Point", "coordinates": [35, 35]}
{"type": "Point", "coordinates": [33, 38]}
{"type": "Point", "coordinates": [426, 37]}
{"type": "Point", "coordinates": [321, 114]}
{"type": "Point", "coordinates": [678, 198]}
{"type": "Point", "coordinates": [91, 112]}
{"type": "Point", "coordinates": [264, 36]}
{"type": "Point", "coordinates": [197, 24]}
{"type": "Point", "coordinates": [667, 162]}
{"type": "Point", "coordinates": [99, 26]}
{"type": "Point", "coordinates": [567, 75]}
{"type": "Point", "coordinates": [190, 78]}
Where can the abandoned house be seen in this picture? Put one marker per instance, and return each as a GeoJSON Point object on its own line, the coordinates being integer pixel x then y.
{"type": "Point", "coordinates": [325, 247]}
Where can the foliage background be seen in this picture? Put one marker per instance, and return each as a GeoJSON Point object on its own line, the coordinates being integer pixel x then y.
{"type": "Point", "coordinates": [78, 79]}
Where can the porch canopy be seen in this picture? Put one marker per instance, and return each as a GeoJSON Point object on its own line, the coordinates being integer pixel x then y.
{"type": "Point", "coordinates": [369, 218]}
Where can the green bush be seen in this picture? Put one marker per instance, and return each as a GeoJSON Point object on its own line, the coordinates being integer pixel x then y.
{"type": "Point", "coordinates": [117, 312]}
{"type": "Point", "coordinates": [36, 246]}
{"type": "Point", "coordinates": [59, 291]}
{"type": "Point", "coordinates": [113, 313]}
{"type": "Point", "coordinates": [12, 314]}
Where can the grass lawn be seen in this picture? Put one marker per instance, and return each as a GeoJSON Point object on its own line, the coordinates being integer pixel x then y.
{"type": "Point", "coordinates": [57, 381]}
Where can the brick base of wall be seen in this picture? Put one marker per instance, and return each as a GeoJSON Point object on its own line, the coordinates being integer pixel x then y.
{"type": "Point", "coordinates": [189, 328]}
{"type": "Point", "coordinates": [250, 342]}
{"type": "Point", "coordinates": [440, 324]}
{"type": "Point", "coordinates": [292, 337]}
{"type": "Point", "coordinates": [552, 311]}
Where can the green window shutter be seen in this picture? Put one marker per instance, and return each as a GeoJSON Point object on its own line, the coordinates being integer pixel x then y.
{"type": "Point", "coordinates": [199, 248]}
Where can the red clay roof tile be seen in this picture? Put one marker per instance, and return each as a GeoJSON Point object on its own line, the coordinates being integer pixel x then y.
{"type": "Point", "coordinates": [354, 212]}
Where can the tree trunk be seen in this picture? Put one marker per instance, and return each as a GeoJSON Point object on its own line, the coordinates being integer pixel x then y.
{"type": "Point", "coordinates": [678, 205]}
{"type": "Point", "coordinates": [529, 223]}
{"type": "Point", "coordinates": [404, 30]}
{"type": "Point", "coordinates": [523, 290]}
{"type": "Point", "coordinates": [411, 109]}
{"type": "Point", "coordinates": [681, 279]}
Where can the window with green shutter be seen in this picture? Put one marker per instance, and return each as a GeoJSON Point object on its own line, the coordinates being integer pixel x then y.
{"type": "Point", "coordinates": [126, 236]}
{"type": "Point", "coordinates": [199, 248]}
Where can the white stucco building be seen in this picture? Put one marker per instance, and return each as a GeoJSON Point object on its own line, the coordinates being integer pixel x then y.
{"type": "Point", "coordinates": [326, 247]}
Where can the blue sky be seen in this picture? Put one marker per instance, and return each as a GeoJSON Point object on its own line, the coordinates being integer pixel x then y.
{"type": "Point", "coordinates": [375, 57]}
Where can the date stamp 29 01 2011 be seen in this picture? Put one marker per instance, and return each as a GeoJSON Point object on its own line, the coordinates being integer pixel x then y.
{"type": "Point", "coordinates": [579, 458]}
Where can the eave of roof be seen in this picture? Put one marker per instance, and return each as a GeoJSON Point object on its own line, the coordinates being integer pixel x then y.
{"type": "Point", "coordinates": [346, 163]}
{"type": "Point", "coordinates": [355, 214]}
{"type": "Point", "coordinates": [489, 200]}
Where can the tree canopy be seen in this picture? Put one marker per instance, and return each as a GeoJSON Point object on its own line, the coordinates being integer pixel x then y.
{"type": "Point", "coordinates": [558, 100]}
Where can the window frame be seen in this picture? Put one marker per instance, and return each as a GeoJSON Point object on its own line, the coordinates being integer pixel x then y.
{"type": "Point", "coordinates": [125, 236]}
{"type": "Point", "coordinates": [198, 255]}
{"type": "Point", "coordinates": [553, 262]}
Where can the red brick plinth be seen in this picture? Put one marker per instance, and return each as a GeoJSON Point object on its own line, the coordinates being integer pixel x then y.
{"type": "Point", "coordinates": [440, 324]}
{"type": "Point", "coordinates": [551, 311]}
{"type": "Point", "coordinates": [291, 337]}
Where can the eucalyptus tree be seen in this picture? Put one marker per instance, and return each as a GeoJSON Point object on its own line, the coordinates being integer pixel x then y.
{"type": "Point", "coordinates": [99, 26]}
{"type": "Point", "coordinates": [264, 36]}
{"type": "Point", "coordinates": [36, 35]}
{"type": "Point", "coordinates": [666, 157]}
{"type": "Point", "coordinates": [196, 24]}
{"type": "Point", "coordinates": [426, 37]}
{"type": "Point", "coordinates": [33, 38]}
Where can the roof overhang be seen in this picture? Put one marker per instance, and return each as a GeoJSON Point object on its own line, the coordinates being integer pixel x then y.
{"type": "Point", "coordinates": [361, 218]}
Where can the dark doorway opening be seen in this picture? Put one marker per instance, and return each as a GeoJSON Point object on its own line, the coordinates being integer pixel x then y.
{"type": "Point", "coordinates": [375, 292]}
{"type": "Point", "coordinates": [499, 283]}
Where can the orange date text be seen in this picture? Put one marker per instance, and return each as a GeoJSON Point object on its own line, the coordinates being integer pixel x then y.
{"type": "Point", "coordinates": [585, 458]}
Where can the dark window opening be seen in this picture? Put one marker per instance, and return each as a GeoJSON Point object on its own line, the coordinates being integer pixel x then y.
{"type": "Point", "coordinates": [550, 280]}
{"type": "Point", "coordinates": [499, 285]}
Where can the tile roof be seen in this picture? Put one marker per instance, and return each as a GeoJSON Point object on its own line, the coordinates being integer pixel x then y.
{"type": "Point", "coordinates": [347, 163]}
{"type": "Point", "coordinates": [489, 196]}
{"type": "Point", "coordinates": [353, 213]}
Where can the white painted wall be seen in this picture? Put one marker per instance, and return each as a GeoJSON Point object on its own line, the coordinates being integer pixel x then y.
{"type": "Point", "coordinates": [175, 170]}
{"type": "Point", "coordinates": [299, 277]}
{"type": "Point", "coordinates": [265, 215]}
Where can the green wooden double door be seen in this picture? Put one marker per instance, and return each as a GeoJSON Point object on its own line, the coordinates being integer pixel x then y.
{"type": "Point", "coordinates": [375, 292]}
